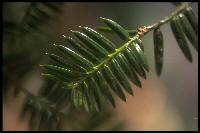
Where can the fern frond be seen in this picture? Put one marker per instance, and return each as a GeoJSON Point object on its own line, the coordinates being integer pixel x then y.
{"type": "Point", "coordinates": [49, 108]}
{"type": "Point", "coordinates": [105, 67]}
{"type": "Point", "coordinates": [108, 67]}
{"type": "Point", "coordinates": [43, 115]}
{"type": "Point", "coordinates": [24, 37]}
{"type": "Point", "coordinates": [47, 111]}
{"type": "Point", "coordinates": [37, 15]}
{"type": "Point", "coordinates": [32, 24]}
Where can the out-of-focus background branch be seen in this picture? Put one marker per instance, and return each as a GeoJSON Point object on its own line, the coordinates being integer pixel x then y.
{"type": "Point", "coordinates": [166, 103]}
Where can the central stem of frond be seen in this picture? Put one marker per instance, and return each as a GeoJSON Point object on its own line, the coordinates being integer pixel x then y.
{"type": "Point", "coordinates": [109, 57]}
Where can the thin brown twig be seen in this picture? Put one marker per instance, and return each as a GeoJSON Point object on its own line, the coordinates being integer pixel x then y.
{"type": "Point", "coordinates": [145, 29]}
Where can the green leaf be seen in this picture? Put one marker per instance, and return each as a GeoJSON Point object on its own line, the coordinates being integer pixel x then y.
{"type": "Point", "coordinates": [83, 51]}
{"type": "Point", "coordinates": [77, 96]}
{"type": "Point", "coordinates": [192, 18]}
{"type": "Point", "coordinates": [188, 30]}
{"type": "Point", "coordinates": [140, 43]}
{"type": "Point", "coordinates": [105, 29]}
{"type": "Point", "coordinates": [69, 75]}
{"type": "Point", "coordinates": [91, 44]}
{"type": "Point", "coordinates": [63, 71]}
{"type": "Point", "coordinates": [120, 31]}
{"type": "Point", "coordinates": [139, 55]}
{"type": "Point", "coordinates": [158, 50]}
{"type": "Point", "coordinates": [74, 56]}
{"type": "Point", "coordinates": [131, 57]}
{"type": "Point", "coordinates": [103, 87]}
{"type": "Point", "coordinates": [119, 73]}
{"type": "Point", "coordinates": [88, 99]}
{"type": "Point", "coordinates": [63, 63]}
{"type": "Point", "coordinates": [57, 76]}
{"type": "Point", "coordinates": [113, 83]}
{"type": "Point", "coordinates": [53, 77]}
{"type": "Point", "coordinates": [109, 30]}
{"type": "Point", "coordinates": [103, 41]}
{"type": "Point", "coordinates": [180, 38]}
{"type": "Point", "coordinates": [95, 89]}
{"type": "Point", "coordinates": [130, 72]}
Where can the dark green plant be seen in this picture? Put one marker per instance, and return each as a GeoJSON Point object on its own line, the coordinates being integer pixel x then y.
{"type": "Point", "coordinates": [24, 37]}
{"type": "Point", "coordinates": [96, 66]}
{"type": "Point", "coordinates": [93, 67]}
{"type": "Point", "coordinates": [51, 109]}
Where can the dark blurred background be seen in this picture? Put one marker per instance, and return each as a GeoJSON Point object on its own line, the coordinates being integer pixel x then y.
{"type": "Point", "coordinates": [166, 103]}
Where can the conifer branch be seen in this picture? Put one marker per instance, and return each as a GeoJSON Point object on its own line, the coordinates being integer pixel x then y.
{"type": "Point", "coordinates": [145, 29]}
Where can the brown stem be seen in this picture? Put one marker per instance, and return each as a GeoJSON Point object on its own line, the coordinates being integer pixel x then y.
{"type": "Point", "coordinates": [145, 29]}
